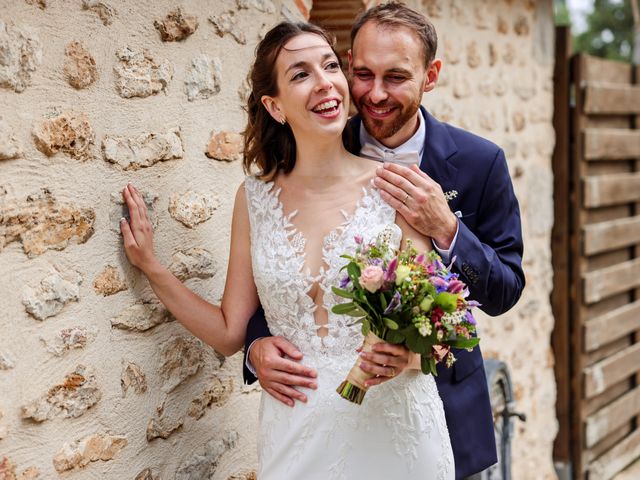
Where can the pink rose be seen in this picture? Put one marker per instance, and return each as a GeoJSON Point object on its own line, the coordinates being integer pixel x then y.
{"type": "Point", "coordinates": [371, 278]}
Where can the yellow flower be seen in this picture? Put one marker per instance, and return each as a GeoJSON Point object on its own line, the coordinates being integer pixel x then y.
{"type": "Point", "coordinates": [426, 303]}
{"type": "Point", "coordinates": [401, 273]}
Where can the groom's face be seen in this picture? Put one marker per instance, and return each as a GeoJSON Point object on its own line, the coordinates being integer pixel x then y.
{"type": "Point", "coordinates": [388, 78]}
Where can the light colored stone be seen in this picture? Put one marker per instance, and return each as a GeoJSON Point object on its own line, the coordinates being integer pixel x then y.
{"type": "Point", "coordinates": [79, 454]}
{"type": "Point", "coordinates": [9, 145]}
{"type": "Point", "coordinates": [105, 11]}
{"type": "Point", "coordinates": [20, 56]}
{"type": "Point", "coordinates": [204, 461]}
{"type": "Point", "coordinates": [50, 296]}
{"type": "Point", "coordinates": [488, 120]}
{"type": "Point", "coordinates": [147, 474]}
{"type": "Point", "coordinates": [503, 25]}
{"type": "Point", "coordinates": [462, 87]}
{"type": "Point", "coordinates": [227, 146]}
{"type": "Point", "coordinates": [192, 208]}
{"type": "Point", "coordinates": [227, 23]}
{"type": "Point", "coordinates": [518, 120]}
{"type": "Point", "coordinates": [473, 56]}
{"type": "Point", "coordinates": [69, 132]}
{"type": "Point", "coordinates": [70, 399]}
{"type": "Point", "coordinates": [69, 338]}
{"type": "Point", "coordinates": [203, 78]}
{"type": "Point", "coordinates": [161, 426]}
{"type": "Point", "coordinates": [181, 357]}
{"type": "Point", "coordinates": [193, 263]}
{"type": "Point", "coordinates": [120, 209]}
{"type": "Point", "coordinates": [217, 394]}
{"type": "Point", "coordinates": [482, 15]}
{"type": "Point", "coordinates": [244, 90]}
{"type": "Point", "coordinates": [109, 282]}
{"type": "Point", "coordinates": [176, 26]}
{"type": "Point", "coordinates": [140, 317]}
{"type": "Point", "coordinates": [42, 223]}
{"type": "Point", "coordinates": [265, 6]}
{"type": "Point", "coordinates": [6, 362]}
{"type": "Point", "coordinates": [79, 67]}
{"type": "Point", "coordinates": [139, 75]}
{"type": "Point", "coordinates": [509, 54]}
{"type": "Point", "coordinates": [144, 150]}
{"type": "Point", "coordinates": [434, 8]}
{"type": "Point", "coordinates": [521, 27]}
{"type": "Point", "coordinates": [7, 469]}
{"type": "Point", "coordinates": [133, 377]}
{"type": "Point", "coordinates": [452, 50]}
{"type": "Point", "coordinates": [3, 434]}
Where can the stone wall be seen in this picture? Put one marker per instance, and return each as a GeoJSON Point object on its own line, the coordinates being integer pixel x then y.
{"type": "Point", "coordinates": [95, 376]}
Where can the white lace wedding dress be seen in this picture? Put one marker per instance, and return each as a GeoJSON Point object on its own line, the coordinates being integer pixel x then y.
{"type": "Point", "coordinates": [399, 431]}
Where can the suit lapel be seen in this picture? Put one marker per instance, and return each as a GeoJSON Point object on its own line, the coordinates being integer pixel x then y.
{"type": "Point", "coordinates": [439, 150]}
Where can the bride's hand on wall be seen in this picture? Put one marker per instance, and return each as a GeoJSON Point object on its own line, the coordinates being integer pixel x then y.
{"type": "Point", "coordinates": [137, 232]}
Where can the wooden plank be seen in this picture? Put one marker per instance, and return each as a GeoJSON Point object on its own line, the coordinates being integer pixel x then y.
{"type": "Point", "coordinates": [612, 417]}
{"type": "Point", "coordinates": [614, 279]}
{"type": "Point", "coordinates": [592, 405]}
{"type": "Point", "coordinates": [606, 444]}
{"type": "Point", "coordinates": [616, 459]}
{"type": "Point", "coordinates": [611, 144]}
{"type": "Point", "coordinates": [603, 70]}
{"type": "Point", "coordinates": [603, 236]}
{"type": "Point", "coordinates": [560, 252]}
{"type": "Point", "coordinates": [611, 189]}
{"type": "Point", "coordinates": [596, 356]}
{"type": "Point", "coordinates": [599, 331]}
{"type": "Point", "coordinates": [598, 377]}
{"type": "Point", "coordinates": [610, 98]}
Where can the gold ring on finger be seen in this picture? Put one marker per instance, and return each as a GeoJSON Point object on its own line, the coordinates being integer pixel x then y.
{"type": "Point", "coordinates": [404, 202]}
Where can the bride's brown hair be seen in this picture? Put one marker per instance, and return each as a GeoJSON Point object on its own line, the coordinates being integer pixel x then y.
{"type": "Point", "coordinates": [268, 144]}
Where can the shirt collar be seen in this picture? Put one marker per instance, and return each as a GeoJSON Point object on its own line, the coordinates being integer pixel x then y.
{"type": "Point", "coordinates": [414, 144]}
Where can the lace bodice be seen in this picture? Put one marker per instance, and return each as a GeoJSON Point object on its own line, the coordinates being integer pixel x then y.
{"type": "Point", "coordinates": [399, 431]}
{"type": "Point", "coordinates": [283, 281]}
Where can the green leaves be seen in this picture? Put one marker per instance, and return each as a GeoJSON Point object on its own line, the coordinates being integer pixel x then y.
{"type": "Point", "coordinates": [342, 293]}
{"type": "Point", "coordinates": [390, 323]}
{"type": "Point", "coordinates": [462, 342]}
{"type": "Point", "coordinates": [428, 365]}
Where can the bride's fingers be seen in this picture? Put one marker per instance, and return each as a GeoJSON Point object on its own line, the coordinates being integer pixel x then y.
{"type": "Point", "coordinates": [139, 199]}
{"type": "Point", "coordinates": [379, 370]}
{"type": "Point", "coordinates": [132, 206]}
{"type": "Point", "coordinates": [127, 235]}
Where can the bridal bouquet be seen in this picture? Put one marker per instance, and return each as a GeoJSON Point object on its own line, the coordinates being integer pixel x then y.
{"type": "Point", "coordinates": [407, 298]}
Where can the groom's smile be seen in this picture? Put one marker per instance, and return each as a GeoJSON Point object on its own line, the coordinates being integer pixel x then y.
{"type": "Point", "coordinates": [388, 78]}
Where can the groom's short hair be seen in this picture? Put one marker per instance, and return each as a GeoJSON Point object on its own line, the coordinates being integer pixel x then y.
{"type": "Point", "coordinates": [395, 14]}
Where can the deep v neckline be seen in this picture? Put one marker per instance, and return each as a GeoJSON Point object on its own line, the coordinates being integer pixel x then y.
{"type": "Point", "coordinates": [297, 240]}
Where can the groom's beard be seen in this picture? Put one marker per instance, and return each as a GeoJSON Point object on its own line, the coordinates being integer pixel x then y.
{"type": "Point", "coordinates": [381, 129]}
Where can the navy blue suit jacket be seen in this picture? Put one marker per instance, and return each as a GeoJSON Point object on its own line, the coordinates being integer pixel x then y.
{"type": "Point", "coordinates": [488, 253]}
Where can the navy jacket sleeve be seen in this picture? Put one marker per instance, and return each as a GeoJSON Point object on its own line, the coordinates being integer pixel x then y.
{"type": "Point", "coordinates": [257, 328]}
{"type": "Point", "coordinates": [489, 247]}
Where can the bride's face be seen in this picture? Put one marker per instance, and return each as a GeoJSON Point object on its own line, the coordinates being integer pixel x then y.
{"type": "Point", "coordinates": [313, 94]}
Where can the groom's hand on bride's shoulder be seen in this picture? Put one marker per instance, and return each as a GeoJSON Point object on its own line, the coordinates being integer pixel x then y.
{"type": "Point", "coordinates": [276, 362]}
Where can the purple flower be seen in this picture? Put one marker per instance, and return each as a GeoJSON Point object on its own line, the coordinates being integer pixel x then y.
{"type": "Point", "coordinates": [344, 282]}
{"type": "Point", "coordinates": [394, 305]}
{"type": "Point", "coordinates": [440, 284]}
{"type": "Point", "coordinates": [470, 318]}
{"type": "Point", "coordinates": [420, 259]}
{"type": "Point", "coordinates": [390, 274]}
{"type": "Point", "coordinates": [455, 286]}
{"type": "Point", "coordinates": [358, 239]}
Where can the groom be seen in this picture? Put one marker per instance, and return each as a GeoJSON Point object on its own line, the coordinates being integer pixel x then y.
{"type": "Point", "coordinates": [450, 185]}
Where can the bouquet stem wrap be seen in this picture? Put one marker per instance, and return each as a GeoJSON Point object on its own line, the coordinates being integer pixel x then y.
{"type": "Point", "coordinates": [353, 387]}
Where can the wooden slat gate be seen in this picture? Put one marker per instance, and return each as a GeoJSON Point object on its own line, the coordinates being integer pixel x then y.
{"type": "Point", "coordinates": [596, 252]}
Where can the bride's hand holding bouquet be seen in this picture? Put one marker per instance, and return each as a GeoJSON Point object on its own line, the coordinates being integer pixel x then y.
{"type": "Point", "coordinates": [404, 298]}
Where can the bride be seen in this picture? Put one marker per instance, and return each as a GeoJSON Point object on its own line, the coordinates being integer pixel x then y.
{"type": "Point", "coordinates": [291, 222]}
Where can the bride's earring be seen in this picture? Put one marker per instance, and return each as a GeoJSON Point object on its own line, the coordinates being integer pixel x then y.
{"type": "Point", "coordinates": [282, 121]}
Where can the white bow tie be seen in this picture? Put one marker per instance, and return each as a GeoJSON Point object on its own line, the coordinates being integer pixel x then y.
{"type": "Point", "coordinates": [402, 158]}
